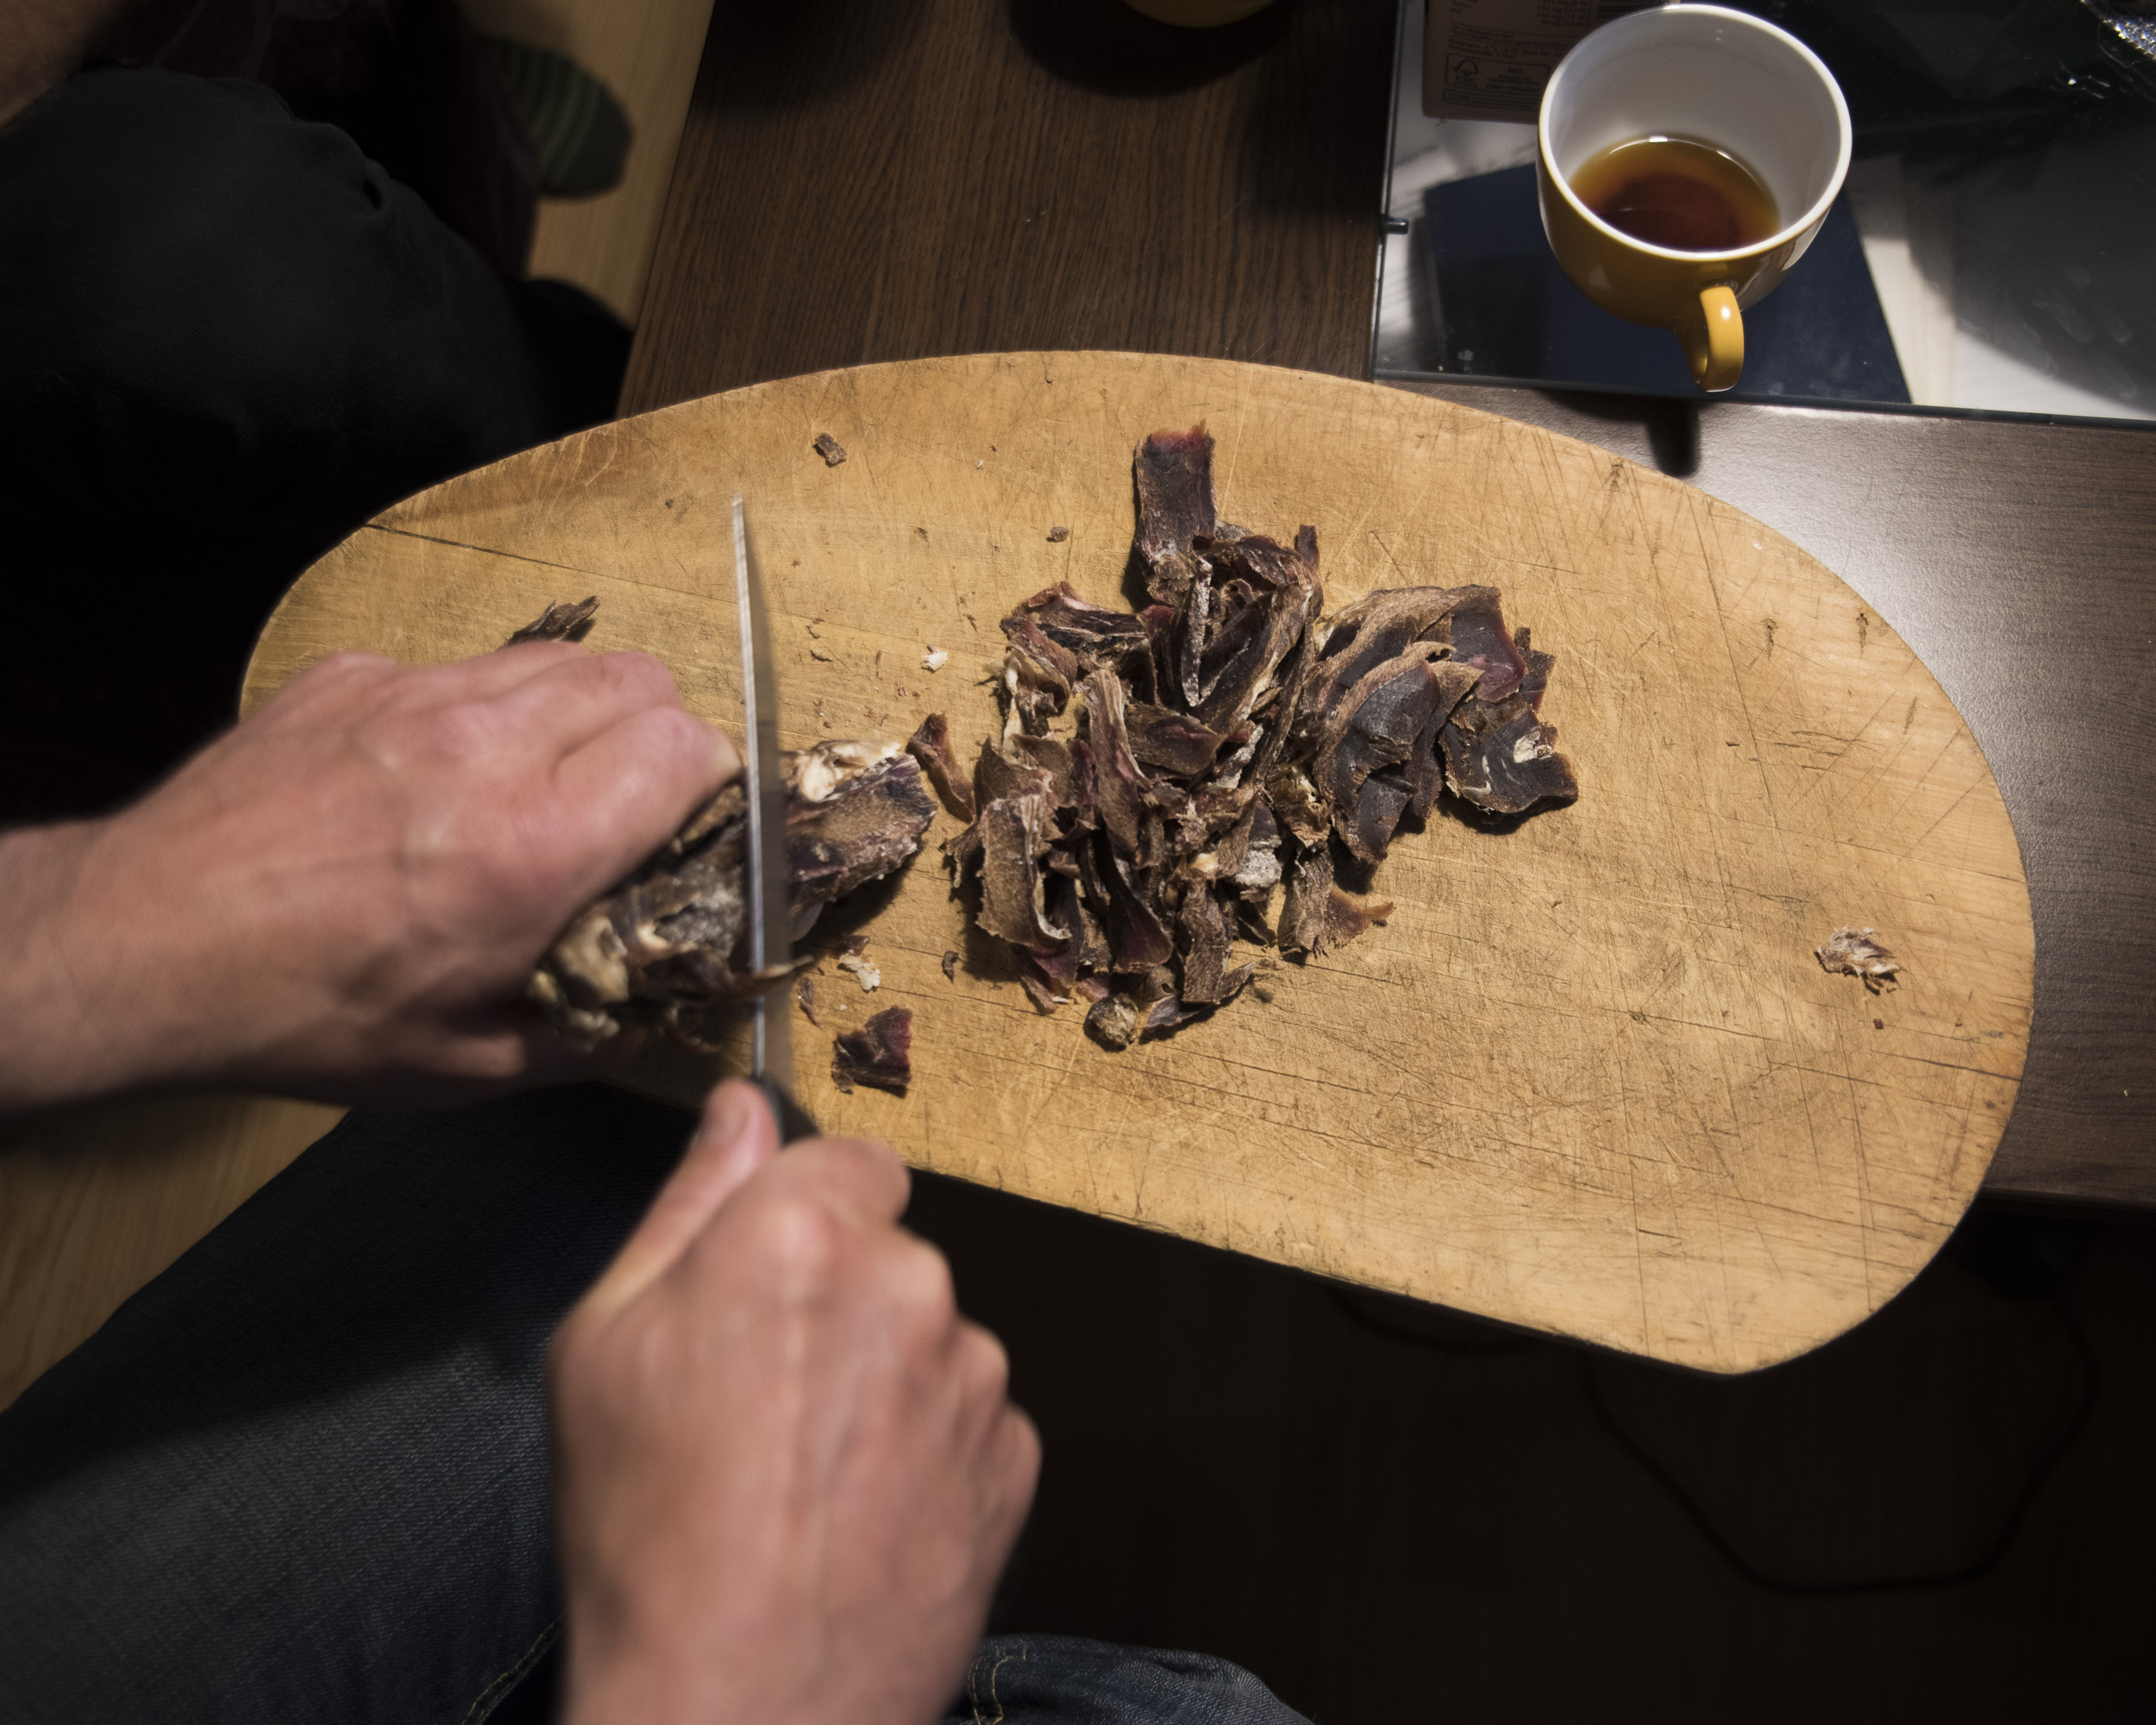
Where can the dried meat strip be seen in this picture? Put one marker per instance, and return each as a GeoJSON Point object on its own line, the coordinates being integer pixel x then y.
{"type": "Point", "coordinates": [1170, 782]}
{"type": "Point", "coordinates": [663, 948]}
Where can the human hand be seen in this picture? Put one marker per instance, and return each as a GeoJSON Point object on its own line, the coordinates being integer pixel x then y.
{"type": "Point", "coordinates": [786, 1474]}
{"type": "Point", "coordinates": [338, 897]}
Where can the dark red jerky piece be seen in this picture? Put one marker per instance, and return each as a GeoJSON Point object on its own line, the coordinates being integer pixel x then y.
{"type": "Point", "coordinates": [1260, 559]}
{"type": "Point", "coordinates": [1296, 805]}
{"type": "Point", "coordinates": [565, 620]}
{"type": "Point", "coordinates": [1503, 759]}
{"type": "Point", "coordinates": [1345, 920]}
{"type": "Point", "coordinates": [1057, 663]}
{"type": "Point", "coordinates": [1173, 472]}
{"type": "Point", "coordinates": [1044, 999]}
{"type": "Point", "coordinates": [1160, 672]}
{"type": "Point", "coordinates": [997, 777]}
{"type": "Point", "coordinates": [1136, 938]}
{"type": "Point", "coordinates": [1012, 840]}
{"type": "Point", "coordinates": [1397, 706]}
{"type": "Point", "coordinates": [1173, 742]}
{"type": "Point", "coordinates": [1481, 639]}
{"type": "Point", "coordinates": [1165, 1017]}
{"type": "Point", "coordinates": [931, 746]}
{"type": "Point", "coordinates": [1096, 638]}
{"type": "Point", "coordinates": [1377, 627]}
{"type": "Point", "coordinates": [1303, 912]}
{"type": "Point", "coordinates": [1206, 979]}
{"type": "Point", "coordinates": [1118, 785]}
{"type": "Point", "coordinates": [1052, 756]}
{"type": "Point", "coordinates": [962, 851]}
{"type": "Point", "coordinates": [870, 824]}
{"type": "Point", "coordinates": [1038, 673]}
{"type": "Point", "coordinates": [879, 1054]}
{"type": "Point", "coordinates": [1536, 680]}
{"type": "Point", "coordinates": [1250, 671]}
{"type": "Point", "coordinates": [1060, 963]}
{"type": "Point", "coordinates": [1379, 802]}
{"type": "Point", "coordinates": [1089, 942]}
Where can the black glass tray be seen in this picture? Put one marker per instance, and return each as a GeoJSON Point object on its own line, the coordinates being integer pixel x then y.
{"type": "Point", "coordinates": [1995, 249]}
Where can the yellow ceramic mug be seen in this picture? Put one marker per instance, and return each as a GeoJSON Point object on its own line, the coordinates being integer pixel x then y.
{"type": "Point", "coordinates": [1719, 78]}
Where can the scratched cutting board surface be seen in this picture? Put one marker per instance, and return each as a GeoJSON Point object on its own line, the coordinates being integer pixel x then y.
{"type": "Point", "coordinates": [1588, 1078]}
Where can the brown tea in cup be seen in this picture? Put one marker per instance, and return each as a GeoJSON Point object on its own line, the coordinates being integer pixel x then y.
{"type": "Point", "coordinates": [1677, 193]}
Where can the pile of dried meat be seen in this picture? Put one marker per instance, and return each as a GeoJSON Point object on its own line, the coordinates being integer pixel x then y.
{"type": "Point", "coordinates": [1166, 780]}
{"type": "Point", "coordinates": [664, 949]}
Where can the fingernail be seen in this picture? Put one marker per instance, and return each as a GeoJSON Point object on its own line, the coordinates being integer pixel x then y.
{"type": "Point", "coordinates": [730, 1114]}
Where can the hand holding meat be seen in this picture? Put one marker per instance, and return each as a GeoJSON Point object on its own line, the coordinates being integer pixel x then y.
{"type": "Point", "coordinates": [787, 1475]}
{"type": "Point", "coordinates": [335, 897]}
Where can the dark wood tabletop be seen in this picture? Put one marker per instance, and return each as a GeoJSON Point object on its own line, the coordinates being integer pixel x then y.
{"type": "Point", "coordinates": [885, 180]}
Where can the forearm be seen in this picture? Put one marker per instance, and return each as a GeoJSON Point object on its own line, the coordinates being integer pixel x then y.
{"type": "Point", "coordinates": [42, 42]}
{"type": "Point", "coordinates": [54, 974]}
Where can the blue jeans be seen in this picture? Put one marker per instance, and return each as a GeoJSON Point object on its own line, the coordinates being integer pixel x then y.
{"type": "Point", "coordinates": [302, 1474]}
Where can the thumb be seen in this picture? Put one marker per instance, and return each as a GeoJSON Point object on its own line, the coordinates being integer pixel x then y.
{"type": "Point", "coordinates": [736, 1136]}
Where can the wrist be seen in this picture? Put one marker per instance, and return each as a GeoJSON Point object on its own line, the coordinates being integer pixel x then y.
{"type": "Point", "coordinates": [86, 974]}
{"type": "Point", "coordinates": [52, 1052]}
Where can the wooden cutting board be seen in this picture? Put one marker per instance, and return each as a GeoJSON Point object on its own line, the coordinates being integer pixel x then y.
{"type": "Point", "coordinates": [1590, 1078]}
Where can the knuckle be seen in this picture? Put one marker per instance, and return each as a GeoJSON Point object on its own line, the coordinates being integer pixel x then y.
{"type": "Point", "coordinates": [685, 740]}
{"type": "Point", "coordinates": [986, 1363]}
{"type": "Point", "coordinates": [463, 732]}
{"type": "Point", "coordinates": [343, 665]}
{"type": "Point", "coordinates": [917, 1280]}
{"type": "Point", "coordinates": [796, 1241]}
{"type": "Point", "coordinates": [640, 673]}
{"type": "Point", "coordinates": [857, 1171]}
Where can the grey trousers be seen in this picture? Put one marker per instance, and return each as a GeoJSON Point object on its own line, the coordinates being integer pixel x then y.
{"type": "Point", "coordinates": [303, 1475]}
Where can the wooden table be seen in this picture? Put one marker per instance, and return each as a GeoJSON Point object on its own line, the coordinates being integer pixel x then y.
{"type": "Point", "coordinates": [877, 179]}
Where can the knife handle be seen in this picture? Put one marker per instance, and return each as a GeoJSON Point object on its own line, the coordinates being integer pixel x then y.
{"type": "Point", "coordinates": [794, 1123]}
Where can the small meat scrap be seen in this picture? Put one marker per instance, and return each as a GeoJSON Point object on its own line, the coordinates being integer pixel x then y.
{"type": "Point", "coordinates": [1058, 535]}
{"type": "Point", "coordinates": [879, 1054]}
{"type": "Point", "coordinates": [1854, 952]}
{"type": "Point", "coordinates": [829, 447]}
{"type": "Point", "coordinates": [861, 971]}
{"type": "Point", "coordinates": [664, 949]}
{"type": "Point", "coordinates": [931, 746]}
{"type": "Point", "coordinates": [950, 967]}
{"type": "Point", "coordinates": [564, 621]}
{"type": "Point", "coordinates": [804, 991]}
{"type": "Point", "coordinates": [935, 659]}
{"type": "Point", "coordinates": [1168, 783]}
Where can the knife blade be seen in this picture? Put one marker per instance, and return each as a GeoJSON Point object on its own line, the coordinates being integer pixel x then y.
{"type": "Point", "coordinates": [770, 912]}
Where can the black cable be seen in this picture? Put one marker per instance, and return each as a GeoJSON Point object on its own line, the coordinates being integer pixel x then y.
{"type": "Point", "coordinates": [1976, 1569]}
{"type": "Point", "coordinates": [1502, 1342]}
{"type": "Point", "coordinates": [1981, 1565]}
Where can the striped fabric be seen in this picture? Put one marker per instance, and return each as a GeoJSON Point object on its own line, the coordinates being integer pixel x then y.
{"type": "Point", "coordinates": [577, 132]}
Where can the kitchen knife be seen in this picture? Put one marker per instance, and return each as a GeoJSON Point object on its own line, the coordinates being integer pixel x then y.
{"type": "Point", "coordinates": [770, 910]}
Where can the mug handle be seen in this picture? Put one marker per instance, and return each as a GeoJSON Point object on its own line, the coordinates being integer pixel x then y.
{"type": "Point", "coordinates": [1715, 348]}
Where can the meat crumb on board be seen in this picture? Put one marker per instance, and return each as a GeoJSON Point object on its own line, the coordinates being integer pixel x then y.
{"type": "Point", "coordinates": [879, 1054]}
{"type": "Point", "coordinates": [1856, 952]}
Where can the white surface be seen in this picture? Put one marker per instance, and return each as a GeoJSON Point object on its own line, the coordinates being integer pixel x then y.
{"type": "Point", "coordinates": [1907, 229]}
